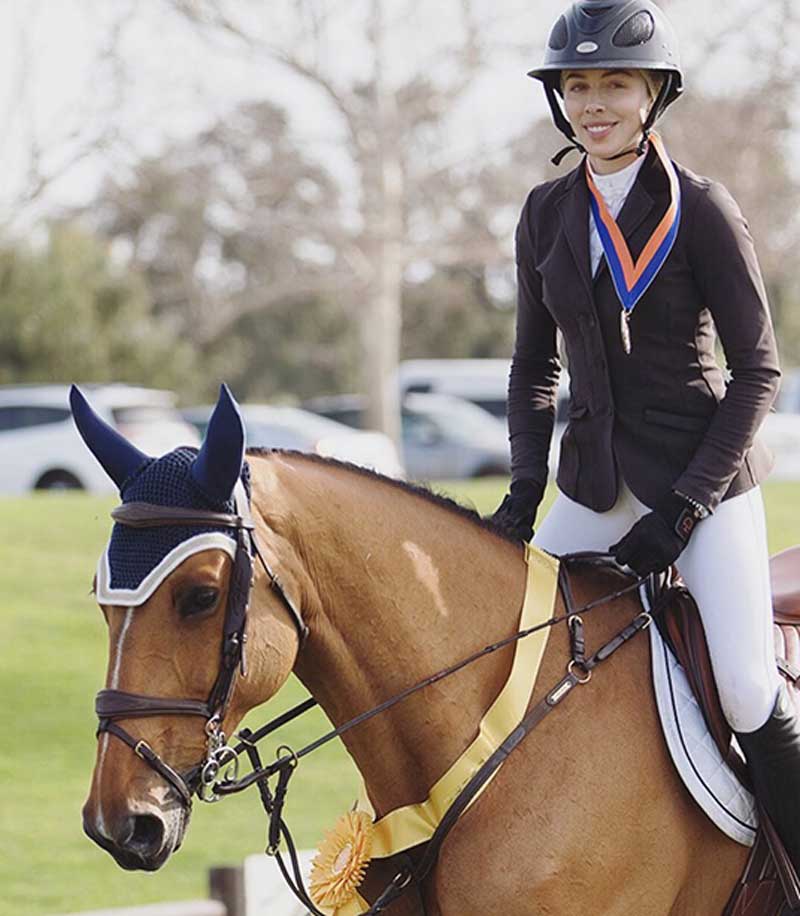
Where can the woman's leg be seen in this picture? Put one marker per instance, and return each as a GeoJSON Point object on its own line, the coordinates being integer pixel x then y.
{"type": "Point", "coordinates": [570, 527]}
{"type": "Point", "coordinates": [726, 568]}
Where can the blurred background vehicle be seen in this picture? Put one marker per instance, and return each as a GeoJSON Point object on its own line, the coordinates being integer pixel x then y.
{"type": "Point", "coordinates": [274, 426]}
{"type": "Point", "coordinates": [443, 437]}
{"type": "Point", "coordinates": [40, 449]}
{"type": "Point", "coordinates": [482, 381]}
{"type": "Point", "coordinates": [781, 433]}
{"type": "Point", "coordinates": [789, 397]}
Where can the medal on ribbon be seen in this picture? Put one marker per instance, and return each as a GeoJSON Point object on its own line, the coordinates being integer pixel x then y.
{"type": "Point", "coordinates": [632, 280]}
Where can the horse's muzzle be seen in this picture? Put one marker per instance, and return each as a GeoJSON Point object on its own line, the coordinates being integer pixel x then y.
{"type": "Point", "coordinates": [138, 841]}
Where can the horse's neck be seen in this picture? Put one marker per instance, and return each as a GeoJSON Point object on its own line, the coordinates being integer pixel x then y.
{"type": "Point", "coordinates": [405, 588]}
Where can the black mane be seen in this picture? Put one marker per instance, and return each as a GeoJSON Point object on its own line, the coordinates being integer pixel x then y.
{"type": "Point", "coordinates": [436, 499]}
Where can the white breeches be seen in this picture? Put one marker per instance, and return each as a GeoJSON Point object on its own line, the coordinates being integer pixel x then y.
{"type": "Point", "coordinates": [726, 568]}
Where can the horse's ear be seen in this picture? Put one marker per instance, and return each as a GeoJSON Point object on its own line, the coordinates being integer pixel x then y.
{"type": "Point", "coordinates": [219, 462]}
{"type": "Point", "coordinates": [117, 456]}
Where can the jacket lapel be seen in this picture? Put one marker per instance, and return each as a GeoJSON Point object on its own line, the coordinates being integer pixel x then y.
{"type": "Point", "coordinates": [574, 212]}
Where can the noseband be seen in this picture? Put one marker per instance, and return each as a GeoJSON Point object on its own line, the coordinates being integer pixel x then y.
{"type": "Point", "coordinates": [111, 705]}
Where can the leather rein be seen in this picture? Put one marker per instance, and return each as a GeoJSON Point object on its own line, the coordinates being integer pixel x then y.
{"type": "Point", "coordinates": [217, 775]}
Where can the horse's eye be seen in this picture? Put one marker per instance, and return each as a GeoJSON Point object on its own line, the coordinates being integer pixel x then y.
{"type": "Point", "coordinates": [197, 601]}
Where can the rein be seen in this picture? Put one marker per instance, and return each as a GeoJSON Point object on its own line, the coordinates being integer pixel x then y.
{"type": "Point", "coordinates": [232, 787]}
{"type": "Point", "coordinates": [579, 672]}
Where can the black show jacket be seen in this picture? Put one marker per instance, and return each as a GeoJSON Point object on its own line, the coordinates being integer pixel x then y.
{"type": "Point", "coordinates": [662, 417]}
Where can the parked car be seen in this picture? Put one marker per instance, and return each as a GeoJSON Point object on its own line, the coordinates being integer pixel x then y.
{"type": "Point", "coordinates": [781, 433]}
{"type": "Point", "coordinates": [270, 426]}
{"type": "Point", "coordinates": [789, 397]}
{"type": "Point", "coordinates": [443, 436]}
{"type": "Point", "coordinates": [482, 381]}
{"type": "Point", "coordinates": [40, 449]}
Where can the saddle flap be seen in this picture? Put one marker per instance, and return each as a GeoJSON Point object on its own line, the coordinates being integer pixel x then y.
{"type": "Point", "coordinates": [684, 632]}
{"type": "Point", "coordinates": [683, 629]}
{"type": "Point", "coordinates": [784, 571]}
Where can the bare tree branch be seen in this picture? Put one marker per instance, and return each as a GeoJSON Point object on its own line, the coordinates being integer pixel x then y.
{"type": "Point", "coordinates": [295, 287]}
{"type": "Point", "coordinates": [217, 21]}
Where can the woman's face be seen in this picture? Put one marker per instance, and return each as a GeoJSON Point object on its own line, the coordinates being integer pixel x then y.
{"type": "Point", "coordinates": [607, 110]}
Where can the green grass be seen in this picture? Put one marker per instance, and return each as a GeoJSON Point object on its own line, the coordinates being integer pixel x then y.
{"type": "Point", "coordinates": [53, 661]}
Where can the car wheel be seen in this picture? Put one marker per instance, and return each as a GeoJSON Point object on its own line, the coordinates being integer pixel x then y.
{"type": "Point", "coordinates": [58, 480]}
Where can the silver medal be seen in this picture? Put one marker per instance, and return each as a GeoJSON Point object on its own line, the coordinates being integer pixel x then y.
{"type": "Point", "coordinates": [625, 331]}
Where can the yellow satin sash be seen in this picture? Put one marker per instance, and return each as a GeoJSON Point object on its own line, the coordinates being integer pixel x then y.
{"type": "Point", "coordinates": [413, 824]}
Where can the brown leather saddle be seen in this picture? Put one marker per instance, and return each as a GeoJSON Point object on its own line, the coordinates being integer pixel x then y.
{"type": "Point", "coordinates": [785, 574]}
{"type": "Point", "coordinates": [762, 890]}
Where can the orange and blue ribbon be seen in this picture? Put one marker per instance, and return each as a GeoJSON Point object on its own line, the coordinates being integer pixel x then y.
{"type": "Point", "coordinates": [632, 281]}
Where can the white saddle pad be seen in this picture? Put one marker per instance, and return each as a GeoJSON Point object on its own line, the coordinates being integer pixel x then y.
{"type": "Point", "coordinates": [708, 778]}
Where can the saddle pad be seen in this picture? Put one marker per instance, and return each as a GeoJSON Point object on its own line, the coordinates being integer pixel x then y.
{"type": "Point", "coordinates": [708, 778]}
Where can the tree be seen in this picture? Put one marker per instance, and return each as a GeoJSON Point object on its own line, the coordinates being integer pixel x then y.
{"type": "Point", "coordinates": [68, 313]}
{"type": "Point", "coordinates": [755, 166]}
{"type": "Point", "coordinates": [51, 129]}
{"type": "Point", "coordinates": [453, 315]}
{"type": "Point", "coordinates": [225, 224]}
{"type": "Point", "coordinates": [234, 232]}
{"type": "Point", "coordinates": [390, 116]}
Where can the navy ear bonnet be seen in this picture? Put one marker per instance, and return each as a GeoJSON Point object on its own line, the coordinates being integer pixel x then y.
{"type": "Point", "coordinates": [137, 560]}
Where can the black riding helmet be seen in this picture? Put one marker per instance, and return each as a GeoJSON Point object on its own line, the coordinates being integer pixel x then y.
{"type": "Point", "coordinates": [611, 35]}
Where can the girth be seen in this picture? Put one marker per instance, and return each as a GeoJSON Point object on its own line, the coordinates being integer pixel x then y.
{"type": "Point", "coordinates": [111, 705]}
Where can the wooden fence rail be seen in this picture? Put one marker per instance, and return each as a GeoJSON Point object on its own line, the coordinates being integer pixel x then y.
{"type": "Point", "coordinates": [226, 890]}
{"type": "Point", "coordinates": [182, 908]}
{"type": "Point", "coordinates": [254, 888]}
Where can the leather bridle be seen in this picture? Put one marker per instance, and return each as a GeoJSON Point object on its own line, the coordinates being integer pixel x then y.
{"type": "Point", "coordinates": [112, 705]}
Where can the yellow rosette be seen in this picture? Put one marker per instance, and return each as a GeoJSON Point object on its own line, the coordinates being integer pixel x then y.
{"type": "Point", "coordinates": [341, 862]}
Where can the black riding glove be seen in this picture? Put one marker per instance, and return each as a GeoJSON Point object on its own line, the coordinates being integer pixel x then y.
{"type": "Point", "coordinates": [657, 540]}
{"type": "Point", "coordinates": [517, 512]}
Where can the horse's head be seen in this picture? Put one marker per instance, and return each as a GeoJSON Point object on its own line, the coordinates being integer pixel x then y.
{"type": "Point", "coordinates": [173, 584]}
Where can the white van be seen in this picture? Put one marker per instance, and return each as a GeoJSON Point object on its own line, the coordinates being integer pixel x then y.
{"type": "Point", "coordinates": [482, 381]}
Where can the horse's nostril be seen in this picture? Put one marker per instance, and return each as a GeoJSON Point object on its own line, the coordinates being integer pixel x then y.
{"type": "Point", "coordinates": [147, 835]}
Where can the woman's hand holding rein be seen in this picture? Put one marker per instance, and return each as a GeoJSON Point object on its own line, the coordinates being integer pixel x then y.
{"type": "Point", "coordinates": [656, 541]}
{"type": "Point", "coordinates": [517, 512]}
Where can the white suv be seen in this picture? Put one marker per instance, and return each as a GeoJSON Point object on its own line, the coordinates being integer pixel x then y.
{"type": "Point", "coordinates": [40, 449]}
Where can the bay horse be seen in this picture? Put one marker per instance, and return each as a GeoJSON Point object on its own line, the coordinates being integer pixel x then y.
{"type": "Point", "coordinates": [395, 583]}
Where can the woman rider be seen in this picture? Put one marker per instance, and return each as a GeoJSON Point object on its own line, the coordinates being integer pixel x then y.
{"type": "Point", "coordinates": [635, 261]}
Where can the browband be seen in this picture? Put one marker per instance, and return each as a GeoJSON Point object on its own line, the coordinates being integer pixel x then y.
{"type": "Point", "coordinates": [148, 515]}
